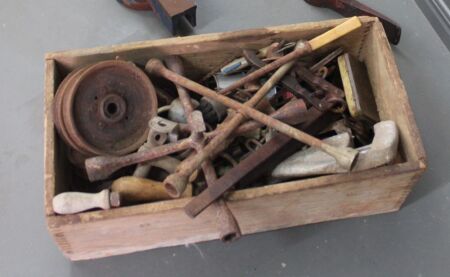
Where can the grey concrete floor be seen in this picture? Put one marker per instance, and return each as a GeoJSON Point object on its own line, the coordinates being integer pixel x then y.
{"type": "Point", "coordinates": [412, 242]}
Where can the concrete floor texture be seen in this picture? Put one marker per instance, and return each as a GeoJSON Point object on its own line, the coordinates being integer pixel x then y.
{"type": "Point", "coordinates": [412, 242]}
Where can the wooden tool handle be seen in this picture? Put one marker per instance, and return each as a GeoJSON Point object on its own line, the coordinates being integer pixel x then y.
{"type": "Point", "coordinates": [335, 33]}
{"type": "Point", "coordinates": [135, 189]}
{"type": "Point", "coordinates": [75, 202]}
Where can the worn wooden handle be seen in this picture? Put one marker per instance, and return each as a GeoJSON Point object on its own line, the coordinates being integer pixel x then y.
{"type": "Point", "coordinates": [335, 33]}
{"type": "Point", "coordinates": [75, 202]}
{"type": "Point", "coordinates": [135, 189]}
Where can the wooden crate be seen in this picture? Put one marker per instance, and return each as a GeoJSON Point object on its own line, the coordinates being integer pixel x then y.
{"type": "Point", "coordinates": [101, 233]}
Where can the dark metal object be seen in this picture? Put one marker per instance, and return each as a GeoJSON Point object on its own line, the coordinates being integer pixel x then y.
{"type": "Point", "coordinates": [349, 8]}
{"type": "Point", "coordinates": [103, 109]}
{"type": "Point", "coordinates": [213, 112]}
{"type": "Point", "coordinates": [174, 13]}
{"type": "Point", "coordinates": [326, 60]}
{"type": "Point", "coordinates": [274, 151]}
{"type": "Point", "coordinates": [140, 5]}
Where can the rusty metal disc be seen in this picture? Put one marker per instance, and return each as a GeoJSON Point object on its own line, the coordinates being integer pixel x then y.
{"type": "Point", "coordinates": [104, 109]}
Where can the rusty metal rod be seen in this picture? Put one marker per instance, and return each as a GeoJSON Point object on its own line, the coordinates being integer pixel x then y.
{"type": "Point", "coordinates": [176, 182]}
{"type": "Point", "coordinates": [291, 113]}
{"type": "Point", "coordinates": [344, 156]}
{"type": "Point", "coordinates": [101, 167]}
{"type": "Point", "coordinates": [326, 60]}
{"type": "Point", "coordinates": [228, 226]}
{"type": "Point", "coordinates": [314, 44]}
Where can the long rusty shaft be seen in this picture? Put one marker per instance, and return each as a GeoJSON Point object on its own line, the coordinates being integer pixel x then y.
{"type": "Point", "coordinates": [101, 167]}
{"type": "Point", "coordinates": [176, 182]}
{"type": "Point", "coordinates": [314, 44]}
{"type": "Point", "coordinates": [227, 224]}
{"type": "Point", "coordinates": [344, 156]}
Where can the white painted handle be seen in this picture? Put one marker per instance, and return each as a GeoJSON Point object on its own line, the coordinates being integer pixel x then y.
{"type": "Point", "coordinates": [75, 202]}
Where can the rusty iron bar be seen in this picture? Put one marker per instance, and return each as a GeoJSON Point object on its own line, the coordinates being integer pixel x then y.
{"type": "Point", "coordinates": [175, 183]}
{"type": "Point", "coordinates": [101, 167]}
{"type": "Point", "coordinates": [272, 152]}
{"type": "Point", "coordinates": [291, 113]}
{"type": "Point", "coordinates": [326, 60]}
{"type": "Point", "coordinates": [344, 156]}
{"type": "Point", "coordinates": [228, 226]}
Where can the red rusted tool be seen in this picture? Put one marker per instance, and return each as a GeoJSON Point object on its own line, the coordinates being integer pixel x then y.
{"type": "Point", "coordinates": [349, 8]}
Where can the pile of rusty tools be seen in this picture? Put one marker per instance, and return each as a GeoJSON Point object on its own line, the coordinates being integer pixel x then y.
{"type": "Point", "coordinates": [282, 112]}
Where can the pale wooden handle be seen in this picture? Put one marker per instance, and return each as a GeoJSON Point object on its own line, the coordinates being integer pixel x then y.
{"type": "Point", "coordinates": [135, 189]}
{"type": "Point", "coordinates": [335, 33]}
{"type": "Point", "coordinates": [75, 202]}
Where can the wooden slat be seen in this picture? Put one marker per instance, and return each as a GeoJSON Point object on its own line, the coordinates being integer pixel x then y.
{"type": "Point", "coordinates": [49, 137]}
{"type": "Point", "coordinates": [172, 227]}
{"type": "Point", "coordinates": [390, 93]}
{"type": "Point", "coordinates": [245, 194]}
{"type": "Point", "coordinates": [214, 48]}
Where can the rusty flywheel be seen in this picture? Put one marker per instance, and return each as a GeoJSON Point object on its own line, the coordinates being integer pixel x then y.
{"type": "Point", "coordinates": [104, 108]}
